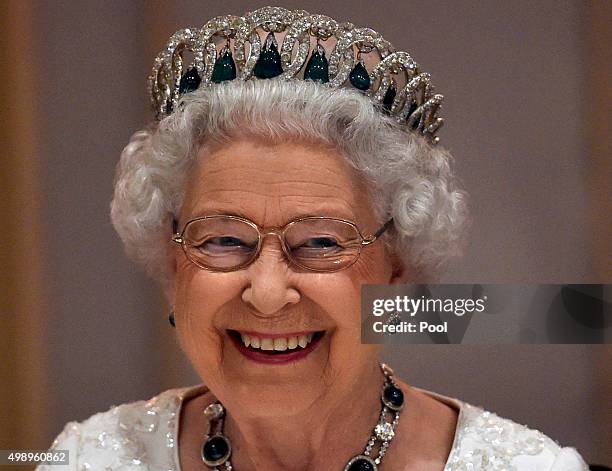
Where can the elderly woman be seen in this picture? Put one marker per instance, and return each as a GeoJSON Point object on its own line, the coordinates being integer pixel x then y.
{"type": "Point", "coordinates": [277, 180]}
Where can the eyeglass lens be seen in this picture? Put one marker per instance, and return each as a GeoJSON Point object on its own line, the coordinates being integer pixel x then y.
{"type": "Point", "coordinates": [225, 243]}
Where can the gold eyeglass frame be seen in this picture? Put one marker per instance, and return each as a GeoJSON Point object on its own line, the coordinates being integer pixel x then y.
{"type": "Point", "coordinates": [178, 238]}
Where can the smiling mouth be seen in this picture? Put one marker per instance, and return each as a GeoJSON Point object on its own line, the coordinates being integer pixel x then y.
{"type": "Point", "coordinates": [276, 345]}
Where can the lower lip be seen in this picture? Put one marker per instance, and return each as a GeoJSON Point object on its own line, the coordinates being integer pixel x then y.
{"type": "Point", "coordinates": [277, 358]}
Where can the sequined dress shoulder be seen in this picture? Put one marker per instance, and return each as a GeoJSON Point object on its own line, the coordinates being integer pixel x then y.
{"type": "Point", "coordinates": [485, 441]}
{"type": "Point", "coordinates": [136, 436]}
{"type": "Point", "coordinates": [142, 436]}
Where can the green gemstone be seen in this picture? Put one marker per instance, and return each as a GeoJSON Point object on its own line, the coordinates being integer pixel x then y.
{"type": "Point", "coordinates": [359, 77]}
{"type": "Point", "coordinates": [190, 81]}
{"type": "Point", "coordinates": [225, 68]}
{"type": "Point", "coordinates": [317, 67]}
{"type": "Point", "coordinates": [268, 64]}
{"type": "Point", "coordinates": [389, 97]}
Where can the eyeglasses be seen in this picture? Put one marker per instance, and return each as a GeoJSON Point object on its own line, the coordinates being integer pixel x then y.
{"type": "Point", "coordinates": [226, 243]}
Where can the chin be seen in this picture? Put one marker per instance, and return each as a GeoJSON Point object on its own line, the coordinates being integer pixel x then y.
{"type": "Point", "coordinates": [273, 401]}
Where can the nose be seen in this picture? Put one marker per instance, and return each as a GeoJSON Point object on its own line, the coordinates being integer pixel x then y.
{"type": "Point", "coordinates": [270, 288]}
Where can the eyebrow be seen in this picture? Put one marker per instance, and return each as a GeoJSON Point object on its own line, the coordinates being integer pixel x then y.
{"type": "Point", "coordinates": [213, 211]}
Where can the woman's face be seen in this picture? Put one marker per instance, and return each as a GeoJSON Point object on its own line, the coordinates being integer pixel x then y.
{"type": "Point", "coordinates": [272, 184]}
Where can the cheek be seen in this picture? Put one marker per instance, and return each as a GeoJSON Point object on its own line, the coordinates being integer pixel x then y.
{"type": "Point", "coordinates": [346, 287]}
{"type": "Point", "coordinates": [373, 266]}
{"type": "Point", "coordinates": [199, 295]}
{"type": "Point", "coordinates": [342, 295]}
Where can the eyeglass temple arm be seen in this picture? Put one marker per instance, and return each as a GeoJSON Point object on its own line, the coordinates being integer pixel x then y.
{"type": "Point", "coordinates": [378, 233]}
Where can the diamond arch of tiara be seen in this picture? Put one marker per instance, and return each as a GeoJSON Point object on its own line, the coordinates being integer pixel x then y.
{"type": "Point", "coordinates": [397, 84]}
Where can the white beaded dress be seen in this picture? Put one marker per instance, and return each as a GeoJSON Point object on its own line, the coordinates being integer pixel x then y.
{"type": "Point", "coordinates": [142, 436]}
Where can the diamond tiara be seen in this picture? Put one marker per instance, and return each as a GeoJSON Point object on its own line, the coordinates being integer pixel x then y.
{"type": "Point", "coordinates": [230, 47]}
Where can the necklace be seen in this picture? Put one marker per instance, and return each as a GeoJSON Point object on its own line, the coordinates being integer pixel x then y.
{"type": "Point", "coordinates": [216, 449]}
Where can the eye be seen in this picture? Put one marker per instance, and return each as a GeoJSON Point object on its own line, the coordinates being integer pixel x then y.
{"type": "Point", "coordinates": [223, 244]}
{"type": "Point", "coordinates": [226, 241]}
{"type": "Point", "coordinates": [320, 243]}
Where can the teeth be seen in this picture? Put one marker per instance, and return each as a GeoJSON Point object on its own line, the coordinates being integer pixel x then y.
{"type": "Point", "coordinates": [279, 344]}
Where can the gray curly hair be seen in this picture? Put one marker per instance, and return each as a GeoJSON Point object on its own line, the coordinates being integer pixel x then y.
{"type": "Point", "coordinates": [409, 179]}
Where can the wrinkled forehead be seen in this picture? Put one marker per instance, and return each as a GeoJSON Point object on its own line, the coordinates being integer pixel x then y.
{"type": "Point", "coordinates": [273, 183]}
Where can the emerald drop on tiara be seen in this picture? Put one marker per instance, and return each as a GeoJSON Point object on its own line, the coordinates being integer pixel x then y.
{"type": "Point", "coordinates": [268, 64]}
{"type": "Point", "coordinates": [190, 81]}
{"type": "Point", "coordinates": [225, 67]}
{"type": "Point", "coordinates": [317, 67]}
{"type": "Point", "coordinates": [389, 96]}
{"type": "Point", "coordinates": [359, 76]}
